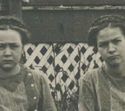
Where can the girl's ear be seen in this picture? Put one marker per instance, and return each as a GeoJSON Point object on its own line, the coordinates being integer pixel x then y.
{"type": "Point", "coordinates": [23, 57]}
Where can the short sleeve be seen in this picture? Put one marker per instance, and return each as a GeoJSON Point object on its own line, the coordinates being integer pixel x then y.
{"type": "Point", "coordinates": [87, 99]}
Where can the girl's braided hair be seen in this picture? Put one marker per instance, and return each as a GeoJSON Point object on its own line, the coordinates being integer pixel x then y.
{"type": "Point", "coordinates": [10, 22]}
{"type": "Point", "coordinates": [102, 22]}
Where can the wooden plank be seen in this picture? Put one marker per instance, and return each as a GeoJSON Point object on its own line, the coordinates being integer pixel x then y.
{"type": "Point", "coordinates": [15, 8]}
{"type": "Point", "coordinates": [77, 2]}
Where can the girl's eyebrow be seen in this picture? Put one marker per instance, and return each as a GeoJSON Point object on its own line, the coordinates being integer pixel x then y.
{"type": "Point", "coordinates": [2, 42]}
{"type": "Point", "coordinates": [9, 44]}
{"type": "Point", "coordinates": [116, 38]}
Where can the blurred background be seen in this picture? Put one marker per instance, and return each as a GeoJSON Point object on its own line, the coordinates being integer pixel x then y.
{"type": "Point", "coordinates": [58, 46]}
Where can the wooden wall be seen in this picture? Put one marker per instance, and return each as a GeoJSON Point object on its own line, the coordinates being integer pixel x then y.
{"type": "Point", "coordinates": [63, 24]}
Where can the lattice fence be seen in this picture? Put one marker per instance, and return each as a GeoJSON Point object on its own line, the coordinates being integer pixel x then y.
{"type": "Point", "coordinates": [64, 64]}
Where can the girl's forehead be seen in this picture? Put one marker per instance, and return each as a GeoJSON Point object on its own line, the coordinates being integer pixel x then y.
{"type": "Point", "coordinates": [10, 36]}
{"type": "Point", "coordinates": [109, 33]}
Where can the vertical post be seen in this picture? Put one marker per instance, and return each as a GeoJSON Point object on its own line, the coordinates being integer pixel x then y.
{"type": "Point", "coordinates": [4, 7]}
{"type": "Point", "coordinates": [15, 8]}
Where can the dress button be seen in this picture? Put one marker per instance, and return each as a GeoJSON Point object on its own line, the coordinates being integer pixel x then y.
{"type": "Point", "coordinates": [32, 85]}
{"type": "Point", "coordinates": [34, 97]}
{"type": "Point", "coordinates": [29, 74]}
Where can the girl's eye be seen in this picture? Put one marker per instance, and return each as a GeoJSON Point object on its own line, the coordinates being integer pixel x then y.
{"type": "Point", "coordinates": [116, 41]}
{"type": "Point", "coordinates": [2, 46]}
{"type": "Point", "coordinates": [14, 45]}
{"type": "Point", "coordinates": [104, 44]}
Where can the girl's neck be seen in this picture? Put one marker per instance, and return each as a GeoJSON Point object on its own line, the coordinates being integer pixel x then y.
{"type": "Point", "coordinates": [118, 70]}
{"type": "Point", "coordinates": [9, 73]}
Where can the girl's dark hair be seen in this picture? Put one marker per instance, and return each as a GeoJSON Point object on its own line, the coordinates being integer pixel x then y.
{"type": "Point", "coordinates": [102, 22]}
{"type": "Point", "coordinates": [10, 22]}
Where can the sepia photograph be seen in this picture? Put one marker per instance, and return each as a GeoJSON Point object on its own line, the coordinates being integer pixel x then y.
{"type": "Point", "coordinates": [62, 55]}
